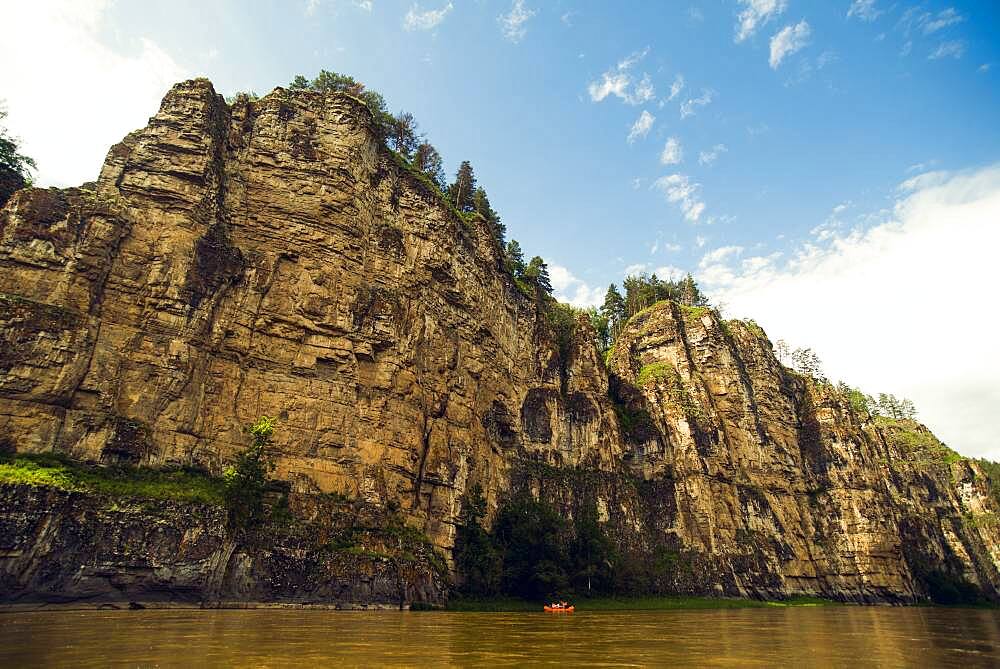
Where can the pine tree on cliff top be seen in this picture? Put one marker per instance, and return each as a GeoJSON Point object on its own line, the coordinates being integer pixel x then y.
{"type": "Point", "coordinates": [403, 134]}
{"type": "Point", "coordinates": [428, 160]}
{"type": "Point", "coordinates": [613, 309]}
{"type": "Point", "coordinates": [515, 259]}
{"type": "Point", "coordinates": [538, 272]}
{"type": "Point", "coordinates": [481, 205]}
{"type": "Point", "coordinates": [464, 186]}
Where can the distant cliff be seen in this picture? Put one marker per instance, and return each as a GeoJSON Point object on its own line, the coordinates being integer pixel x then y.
{"type": "Point", "coordinates": [272, 257]}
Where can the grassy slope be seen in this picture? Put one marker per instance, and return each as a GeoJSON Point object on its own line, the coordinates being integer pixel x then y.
{"type": "Point", "coordinates": [55, 472]}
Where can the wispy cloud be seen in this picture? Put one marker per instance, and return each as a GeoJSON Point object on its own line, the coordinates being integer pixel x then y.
{"type": "Point", "coordinates": [941, 20]}
{"type": "Point", "coordinates": [676, 87]}
{"type": "Point", "coordinates": [953, 49]}
{"type": "Point", "coordinates": [807, 67]}
{"type": "Point", "coordinates": [417, 19]}
{"type": "Point", "coordinates": [756, 13]}
{"type": "Point", "coordinates": [985, 67]}
{"type": "Point", "coordinates": [619, 82]}
{"type": "Point", "coordinates": [787, 41]}
{"type": "Point", "coordinates": [864, 10]}
{"type": "Point", "coordinates": [641, 126]}
{"type": "Point", "coordinates": [690, 106]}
{"type": "Point", "coordinates": [512, 24]}
{"type": "Point", "coordinates": [679, 190]}
{"type": "Point", "coordinates": [710, 156]}
{"type": "Point", "coordinates": [672, 152]}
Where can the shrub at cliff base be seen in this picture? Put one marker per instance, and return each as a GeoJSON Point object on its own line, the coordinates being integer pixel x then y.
{"type": "Point", "coordinates": [532, 552]}
{"type": "Point", "coordinates": [247, 480]}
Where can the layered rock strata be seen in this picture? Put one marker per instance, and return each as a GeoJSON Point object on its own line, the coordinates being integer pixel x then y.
{"type": "Point", "coordinates": [271, 257]}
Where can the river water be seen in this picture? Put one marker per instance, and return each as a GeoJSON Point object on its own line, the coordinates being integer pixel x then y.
{"type": "Point", "coordinates": [824, 636]}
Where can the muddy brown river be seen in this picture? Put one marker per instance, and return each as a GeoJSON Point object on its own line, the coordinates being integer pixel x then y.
{"type": "Point", "coordinates": [820, 637]}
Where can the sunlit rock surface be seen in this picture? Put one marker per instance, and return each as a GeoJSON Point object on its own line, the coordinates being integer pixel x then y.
{"type": "Point", "coordinates": [272, 258]}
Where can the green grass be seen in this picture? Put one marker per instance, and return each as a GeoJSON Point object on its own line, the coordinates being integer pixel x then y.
{"type": "Point", "coordinates": [922, 446]}
{"type": "Point", "coordinates": [633, 604]}
{"type": "Point", "coordinates": [694, 312]}
{"type": "Point", "coordinates": [53, 471]}
{"type": "Point", "coordinates": [654, 372]}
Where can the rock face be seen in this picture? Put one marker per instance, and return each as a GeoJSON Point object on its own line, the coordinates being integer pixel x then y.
{"type": "Point", "coordinates": [272, 257]}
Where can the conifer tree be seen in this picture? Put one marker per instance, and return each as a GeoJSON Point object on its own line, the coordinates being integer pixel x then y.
{"type": "Point", "coordinates": [613, 309]}
{"type": "Point", "coordinates": [427, 159]}
{"type": "Point", "coordinates": [403, 134]}
{"type": "Point", "coordinates": [481, 205]}
{"type": "Point", "coordinates": [515, 259]}
{"type": "Point", "coordinates": [538, 272]}
{"type": "Point", "coordinates": [691, 295]}
{"type": "Point", "coordinates": [464, 186]}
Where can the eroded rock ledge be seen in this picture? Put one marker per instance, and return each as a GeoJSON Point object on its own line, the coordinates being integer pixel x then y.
{"type": "Point", "coordinates": [273, 258]}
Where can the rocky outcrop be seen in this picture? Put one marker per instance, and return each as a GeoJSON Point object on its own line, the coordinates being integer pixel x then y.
{"type": "Point", "coordinates": [272, 257]}
{"type": "Point", "coordinates": [60, 547]}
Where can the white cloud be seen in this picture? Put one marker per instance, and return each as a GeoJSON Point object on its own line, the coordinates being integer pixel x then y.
{"type": "Point", "coordinates": [669, 272]}
{"type": "Point", "coordinates": [904, 306]}
{"type": "Point", "coordinates": [719, 255]}
{"type": "Point", "coordinates": [644, 91]}
{"type": "Point", "coordinates": [680, 191]}
{"type": "Point", "coordinates": [921, 167]}
{"type": "Point", "coordinates": [807, 67]}
{"type": "Point", "coordinates": [710, 156]}
{"type": "Point", "coordinates": [864, 10]}
{"type": "Point", "coordinates": [943, 19]}
{"type": "Point", "coordinates": [672, 248]}
{"type": "Point", "coordinates": [787, 41]}
{"type": "Point", "coordinates": [512, 24]}
{"type": "Point", "coordinates": [985, 67]}
{"type": "Point", "coordinates": [676, 87]}
{"type": "Point", "coordinates": [311, 7]}
{"type": "Point", "coordinates": [568, 288]}
{"type": "Point", "coordinates": [689, 107]}
{"type": "Point", "coordinates": [366, 5]}
{"type": "Point", "coordinates": [417, 19]}
{"type": "Point", "coordinates": [61, 43]}
{"type": "Point", "coordinates": [641, 126]}
{"type": "Point", "coordinates": [633, 270]}
{"type": "Point", "coordinates": [755, 14]}
{"type": "Point", "coordinates": [618, 81]}
{"type": "Point", "coordinates": [672, 152]}
{"type": "Point", "coordinates": [954, 49]}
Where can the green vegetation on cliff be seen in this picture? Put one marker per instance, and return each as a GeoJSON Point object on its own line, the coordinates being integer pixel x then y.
{"type": "Point", "coordinates": [15, 167]}
{"type": "Point", "coordinates": [532, 552]}
{"type": "Point", "coordinates": [56, 471]}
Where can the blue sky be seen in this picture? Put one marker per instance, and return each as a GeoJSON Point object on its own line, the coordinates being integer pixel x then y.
{"type": "Point", "coordinates": [841, 119]}
{"type": "Point", "coordinates": [770, 139]}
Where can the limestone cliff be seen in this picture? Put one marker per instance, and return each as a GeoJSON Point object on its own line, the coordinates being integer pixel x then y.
{"type": "Point", "coordinates": [272, 257]}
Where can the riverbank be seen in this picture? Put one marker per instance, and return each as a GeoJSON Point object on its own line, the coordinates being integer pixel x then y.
{"type": "Point", "coordinates": [633, 604]}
